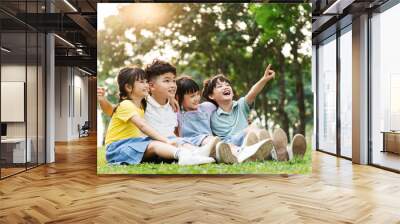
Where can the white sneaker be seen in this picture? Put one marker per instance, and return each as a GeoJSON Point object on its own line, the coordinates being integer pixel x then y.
{"type": "Point", "coordinates": [224, 153]}
{"type": "Point", "coordinates": [250, 139]}
{"type": "Point", "coordinates": [273, 155]}
{"type": "Point", "coordinates": [263, 134]}
{"type": "Point", "coordinates": [209, 149]}
{"type": "Point", "coordinates": [256, 152]}
{"type": "Point", "coordinates": [189, 159]}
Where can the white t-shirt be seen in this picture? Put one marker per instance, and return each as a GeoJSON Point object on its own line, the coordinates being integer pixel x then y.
{"type": "Point", "coordinates": [161, 117]}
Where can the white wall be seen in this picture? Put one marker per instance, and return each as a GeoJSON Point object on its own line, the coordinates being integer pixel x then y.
{"type": "Point", "coordinates": [61, 103]}
{"type": "Point", "coordinates": [80, 104]}
{"type": "Point", "coordinates": [71, 94]}
{"type": "Point", "coordinates": [12, 73]}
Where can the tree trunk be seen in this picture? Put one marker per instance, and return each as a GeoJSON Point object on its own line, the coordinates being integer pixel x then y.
{"type": "Point", "coordinates": [284, 122]}
{"type": "Point", "coordinates": [301, 128]}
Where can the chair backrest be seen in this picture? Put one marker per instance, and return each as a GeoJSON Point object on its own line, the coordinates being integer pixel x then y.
{"type": "Point", "coordinates": [86, 125]}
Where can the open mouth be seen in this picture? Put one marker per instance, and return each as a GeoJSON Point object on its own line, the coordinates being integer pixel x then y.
{"type": "Point", "coordinates": [226, 93]}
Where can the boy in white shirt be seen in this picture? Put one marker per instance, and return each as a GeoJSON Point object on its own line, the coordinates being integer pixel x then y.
{"type": "Point", "coordinates": [159, 113]}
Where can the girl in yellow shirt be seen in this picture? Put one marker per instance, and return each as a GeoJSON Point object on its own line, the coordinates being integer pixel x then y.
{"type": "Point", "coordinates": [126, 140]}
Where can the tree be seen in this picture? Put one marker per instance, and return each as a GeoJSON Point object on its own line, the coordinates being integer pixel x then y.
{"type": "Point", "coordinates": [238, 40]}
{"type": "Point", "coordinates": [287, 24]}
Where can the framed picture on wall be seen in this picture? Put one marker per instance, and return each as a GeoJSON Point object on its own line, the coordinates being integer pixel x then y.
{"type": "Point", "coordinates": [12, 101]}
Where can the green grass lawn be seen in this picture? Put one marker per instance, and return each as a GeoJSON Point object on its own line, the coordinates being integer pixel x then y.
{"type": "Point", "coordinates": [295, 166]}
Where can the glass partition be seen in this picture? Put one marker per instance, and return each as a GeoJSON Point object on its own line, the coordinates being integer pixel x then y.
{"type": "Point", "coordinates": [13, 92]}
{"type": "Point", "coordinates": [22, 64]}
{"type": "Point", "coordinates": [346, 92]}
{"type": "Point", "coordinates": [327, 95]}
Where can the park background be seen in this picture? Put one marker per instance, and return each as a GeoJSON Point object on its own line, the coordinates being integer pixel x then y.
{"type": "Point", "coordinates": [201, 40]}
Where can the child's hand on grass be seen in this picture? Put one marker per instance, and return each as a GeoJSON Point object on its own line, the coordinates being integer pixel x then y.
{"type": "Point", "coordinates": [269, 73]}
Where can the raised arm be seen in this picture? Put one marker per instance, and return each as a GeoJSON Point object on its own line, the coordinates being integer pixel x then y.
{"type": "Point", "coordinates": [148, 130]}
{"type": "Point", "coordinates": [256, 88]}
{"type": "Point", "coordinates": [105, 106]}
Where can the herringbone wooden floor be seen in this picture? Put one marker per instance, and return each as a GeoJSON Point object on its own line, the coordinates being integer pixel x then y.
{"type": "Point", "coordinates": [69, 191]}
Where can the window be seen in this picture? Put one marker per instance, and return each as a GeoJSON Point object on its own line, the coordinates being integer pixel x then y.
{"type": "Point", "coordinates": [385, 85]}
{"type": "Point", "coordinates": [346, 92]}
{"type": "Point", "coordinates": [327, 95]}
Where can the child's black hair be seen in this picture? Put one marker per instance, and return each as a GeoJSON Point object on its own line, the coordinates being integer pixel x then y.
{"type": "Point", "coordinates": [157, 68]}
{"type": "Point", "coordinates": [128, 76]}
{"type": "Point", "coordinates": [209, 85]}
{"type": "Point", "coordinates": [185, 85]}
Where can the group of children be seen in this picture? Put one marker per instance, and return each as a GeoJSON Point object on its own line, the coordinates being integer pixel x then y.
{"type": "Point", "coordinates": [145, 125]}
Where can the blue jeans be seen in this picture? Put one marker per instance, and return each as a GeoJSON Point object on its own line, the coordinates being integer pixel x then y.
{"type": "Point", "coordinates": [235, 139]}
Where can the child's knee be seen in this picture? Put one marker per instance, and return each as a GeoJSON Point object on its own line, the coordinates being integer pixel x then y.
{"type": "Point", "coordinates": [150, 150]}
{"type": "Point", "coordinates": [207, 140]}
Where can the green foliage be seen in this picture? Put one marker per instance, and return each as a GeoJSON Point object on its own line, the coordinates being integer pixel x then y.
{"type": "Point", "coordinates": [238, 40]}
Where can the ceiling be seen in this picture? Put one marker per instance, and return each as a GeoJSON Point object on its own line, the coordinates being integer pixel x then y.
{"type": "Point", "coordinates": [74, 22]}
{"type": "Point", "coordinates": [330, 15]}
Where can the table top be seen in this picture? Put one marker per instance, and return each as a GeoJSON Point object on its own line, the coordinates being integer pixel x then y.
{"type": "Point", "coordinates": [13, 140]}
{"type": "Point", "coordinates": [391, 132]}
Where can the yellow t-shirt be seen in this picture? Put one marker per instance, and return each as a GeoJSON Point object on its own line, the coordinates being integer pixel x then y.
{"type": "Point", "coordinates": [120, 126]}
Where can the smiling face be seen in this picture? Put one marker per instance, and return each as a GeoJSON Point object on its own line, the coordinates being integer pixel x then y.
{"type": "Point", "coordinates": [163, 87]}
{"type": "Point", "coordinates": [132, 83]}
{"type": "Point", "coordinates": [140, 88]}
{"type": "Point", "coordinates": [222, 92]}
{"type": "Point", "coordinates": [191, 101]}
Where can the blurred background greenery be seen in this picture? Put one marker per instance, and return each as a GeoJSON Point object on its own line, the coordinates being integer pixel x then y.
{"type": "Point", "coordinates": [201, 40]}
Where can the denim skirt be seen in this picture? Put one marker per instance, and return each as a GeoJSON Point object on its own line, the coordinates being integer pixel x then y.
{"type": "Point", "coordinates": [127, 151]}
